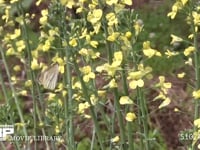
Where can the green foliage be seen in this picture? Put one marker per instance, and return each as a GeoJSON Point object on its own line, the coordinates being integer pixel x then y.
{"type": "Point", "coordinates": [104, 58]}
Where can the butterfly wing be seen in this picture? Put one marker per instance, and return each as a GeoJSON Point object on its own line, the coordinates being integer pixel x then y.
{"type": "Point", "coordinates": [48, 78]}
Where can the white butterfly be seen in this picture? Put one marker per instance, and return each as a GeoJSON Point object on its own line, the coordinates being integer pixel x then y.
{"type": "Point", "coordinates": [49, 77]}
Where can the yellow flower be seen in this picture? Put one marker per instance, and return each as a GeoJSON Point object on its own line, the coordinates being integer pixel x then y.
{"type": "Point", "coordinates": [118, 57]}
{"type": "Point", "coordinates": [164, 103]}
{"type": "Point", "coordinates": [43, 20]}
{"type": "Point", "coordinates": [130, 117]}
{"type": "Point", "coordinates": [13, 1]}
{"type": "Point", "coordinates": [82, 107]}
{"type": "Point", "coordinates": [135, 75]}
{"type": "Point", "coordinates": [101, 93]}
{"type": "Point", "coordinates": [189, 62]}
{"type": "Point", "coordinates": [41, 124]}
{"type": "Point", "coordinates": [73, 42]}
{"type": "Point", "coordinates": [160, 96]}
{"type": "Point", "coordinates": [16, 34]}
{"type": "Point", "coordinates": [87, 116]}
{"type": "Point", "coordinates": [19, 124]}
{"type": "Point", "coordinates": [34, 64]}
{"type": "Point", "coordinates": [88, 74]}
{"type": "Point", "coordinates": [181, 75]}
{"type": "Point", "coordinates": [112, 83]}
{"type": "Point", "coordinates": [196, 18]}
{"type": "Point", "coordinates": [51, 96]}
{"type": "Point", "coordinates": [94, 44]}
{"type": "Point", "coordinates": [164, 84]}
{"type": "Point", "coordinates": [136, 83]}
{"type": "Point", "coordinates": [184, 2]}
{"type": "Point", "coordinates": [176, 109]}
{"type": "Point", "coordinates": [60, 103]}
{"type": "Point", "coordinates": [93, 99]}
{"type": "Point", "coordinates": [197, 123]}
{"type": "Point", "coordinates": [189, 50]}
{"type": "Point", "coordinates": [64, 93]}
{"type": "Point", "coordinates": [167, 85]}
{"type": "Point", "coordinates": [28, 83]}
{"type": "Point", "coordinates": [175, 39]}
{"type": "Point", "coordinates": [115, 139]}
{"type": "Point", "coordinates": [111, 2]}
{"type": "Point", "coordinates": [127, 2]}
{"type": "Point", "coordinates": [10, 51]}
{"type": "Point", "coordinates": [111, 18]}
{"type": "Point", "coordinates": [57, 130]}
{"type": "Point", "coordinates": [83, 52]}
{"type": "Point", "coordinates": [38, 2]}
{"type": "Point", "coordinates": [86, 69]}
{"type": "Point", "coordinates": [170, 53]}
{"type": "Point", "coordinates": [94, 16]}
{"type": "Point", "coordinates": [7, 14]}
{"type": "Point", "coordinates": [148, 51]}
{"type": "Point", "coordinates": [125, 100]}
{"type": "Point", "coordinates": [17, 68]}
{"type": "Point", "coordinates": [20, 45]}
{"type": "Point", "coordinates": [176, 6]}
{"type": "Point", "coordinates": [173, 13]}
{"type": "Point", "coordinates": [196, 94]}
{"type": "Point", "coordinates": [23, 93]}
{"type": "Point", "coordinates": [128, 34]}
{"type": "Point", "coordinates": [46, 46]}
{"type": "Point", "coordinates": [191, 36]}
{"type": "Point", "coordinates": [113, 36]}
{"type": "Point", "coordinates": [77, 85]}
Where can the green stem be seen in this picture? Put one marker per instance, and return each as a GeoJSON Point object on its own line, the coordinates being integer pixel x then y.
{"type": "Point", "coordinates": [120, 119]}
{"type": "Point", "coordinates": [125, 87]}
{"type": "Point", "coordinates": [197, 76]}
{"type": "Point", "coordinates": [87, 97]}
{"type": "Point", "coordinates": [69, 103]}
{"type": "Point", "coordinates": [140, 119]}
{"type": "Point", "coordinates": [144, 112]}
{"type": "Point", "coordinates": [115, 90]}
{"type": "Point", "coordinates": [14, 94]}
{"type": "Point", "coordinates": [197, 83]}
{"type": "Point", "coordinates": [7, 102]}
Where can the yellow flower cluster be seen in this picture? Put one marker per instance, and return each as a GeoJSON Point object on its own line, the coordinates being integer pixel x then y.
{"type": "Point", "coordinates": [112, 68]}
{"type": "Point", "coordinates": [164, 87]}
{"type": "Point", "coordinates": [136, 77]}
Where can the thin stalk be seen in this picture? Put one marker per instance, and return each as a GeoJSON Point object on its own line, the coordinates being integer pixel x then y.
{"type": "Point", "coordinates": [69, 103]}
{"type": "Point", "coordinates": [144, 111]}
{"type": "Point", "coordinates": [197, 76]}
{"type": "Point", "coordinates": [112, 129]}
{"type": "Point", "coordinates": [7, 99]}
{"type": "Point", "coordinates": [140, 119]}
{"type": "Point", "coordinates": [14, 94]}
{"type": "Point", "coordinates": [120, 119]}
{"type": "Point", "coordinates": [115, 91]}
{"type": "Point", "coordinates": [125, 87]}
{"type": "Point", "coordinates": [31, 74]}
{"type": "Point", "coordinates": [87, 97]}
{"type": "Point", "coordinates": [197, 83]}
{"type": "Point", "coordinates": [93, 139]}
{"type": "Point", "coordinates": [3, 87]}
